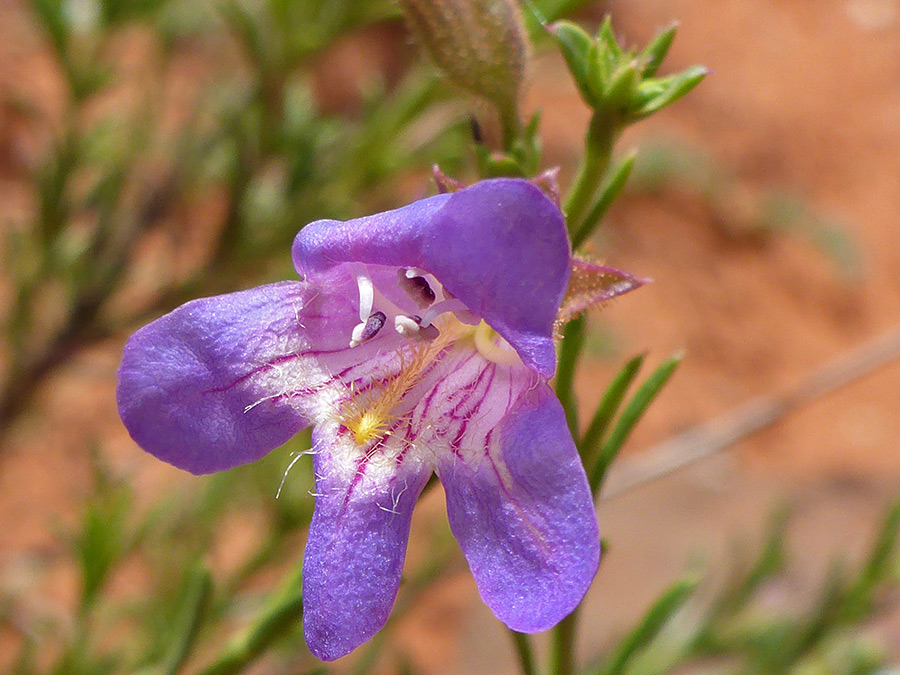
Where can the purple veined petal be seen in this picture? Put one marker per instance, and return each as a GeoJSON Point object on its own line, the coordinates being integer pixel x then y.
{"type": "Point", "coordinates": [500, 246]}
{"type": "Point", "coordinates": [221, 381]}
{"type": "Point", "coordinates": [523, 515]}
{"type": "Point", "coordinates": [357, 540]}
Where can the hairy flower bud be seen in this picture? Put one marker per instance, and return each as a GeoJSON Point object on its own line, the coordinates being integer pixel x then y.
{"type": "Point", "coordinates": [479, 44]}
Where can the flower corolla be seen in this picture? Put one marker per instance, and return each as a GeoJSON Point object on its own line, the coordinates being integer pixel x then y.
{"type": "Point", "coordinates": [418, 341]}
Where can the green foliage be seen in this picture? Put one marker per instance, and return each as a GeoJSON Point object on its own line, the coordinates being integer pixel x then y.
{"type": "Point", "coordinates": [282, 612]}
{"type": "Point", "coordinates": [190, 611]}
{"type": "Point", "coordinates": [610, 189]}
{"type": "Point", "coordinates": [682, 632]}
{"type": "Point", "coordinates": [598, 451]}
{"type": "Point", "coordinates": [608, 407]}
{"type": "Point", "coordinates": [650, 626]}
{"type": "Point", "coordinates": [104, 537]}
{"type": "Point", "coordinates": [570, 352]}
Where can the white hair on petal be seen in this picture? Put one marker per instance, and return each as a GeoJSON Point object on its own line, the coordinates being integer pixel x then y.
{"type": "Point", "coordinates": [295, 457]}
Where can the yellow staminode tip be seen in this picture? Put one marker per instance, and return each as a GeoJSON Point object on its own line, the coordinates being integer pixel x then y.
{"type": "Point", "coordinates": [368, 416]}
{"type": "Point", "coordinates": [367, 426]}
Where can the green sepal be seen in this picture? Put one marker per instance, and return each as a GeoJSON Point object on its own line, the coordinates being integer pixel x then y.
{"type": "Point", "coordinates": [654, 53]}
{"type": "Point", "coordinates": [599, 68]}
{"type": "Point", "coordinates": [522, 160]}
{"type": "Point", "coordinates": [660, 93]}
{"type": "Point", "coordinates": [622, 88]}
{"type": "Point", "coordinates": [576, 46]}
{"type": "Point", "coordinates": [497, 164]}
{"type": "Point", "coordinates": [606, 37]}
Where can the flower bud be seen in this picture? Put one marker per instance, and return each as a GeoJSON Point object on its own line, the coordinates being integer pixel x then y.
{"type": "Point", "coordinates": [479, 44]}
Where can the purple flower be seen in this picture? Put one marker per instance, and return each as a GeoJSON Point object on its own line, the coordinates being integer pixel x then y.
{"type": "Point", "coordinates": [419, 340]}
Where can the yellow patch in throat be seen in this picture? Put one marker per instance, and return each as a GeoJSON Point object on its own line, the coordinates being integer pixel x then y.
{"type": "Point", "coordinates": [369, 415]}
{"type": "Point", "coordinates": [366, 425]}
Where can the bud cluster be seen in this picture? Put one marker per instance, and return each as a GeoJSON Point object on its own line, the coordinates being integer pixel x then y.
{"type": "Point", "coordinates": [618, 84]}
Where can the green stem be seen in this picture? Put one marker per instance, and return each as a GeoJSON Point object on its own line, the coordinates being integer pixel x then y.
{"type": "Point", "coordinates": [511, 125]}
{"type": "Point", "coordinates": [569, 353]}
{"type": "Point", "coordinates": [562, 656]}
{"type": "Point", "coordinates": [601, 136]}
{"type": "Point", "coordinates": [524, 652]}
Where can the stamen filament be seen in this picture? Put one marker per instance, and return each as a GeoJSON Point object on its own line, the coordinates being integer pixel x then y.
{"type": "Point", "coordinates": [451, 305]}
{"type": "Point", "coordinates": [366, 295]}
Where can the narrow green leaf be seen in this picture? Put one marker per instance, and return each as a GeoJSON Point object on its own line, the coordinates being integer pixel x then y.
{"type": "Point", "coordinates": [103, 540]}
{"type": "Point", "coordinates": [678, 86]}
{"type": "Point", "coordinates": [770, 560]}
{"type": "Point", "coordinates": [26, 661]}
{"type": "Point", "coordinates": [654, 53]}
{"type": "Point", "coordinates": [815, 627]}
{"type": "Point", "coordinates": [50, 14]}
{"type": "Point", "coordinates": [878, 565]}
{"type": "Point", "coordinates": [188, 619]}
{"type": "Point", "coordinates": [524, 653]}
{"type": "Point", "coordinates": [879, 562]}
{"type": "Point", "coordinates": [630, 417]}
{"type": "Point", "coordinates": [652, 623]}
{"type": "Point", "coordinates": [279, 616]}
{"type": "Point", "coordinates": [609, 192]}
{"type": "Point", "coordinates": [608, 407]}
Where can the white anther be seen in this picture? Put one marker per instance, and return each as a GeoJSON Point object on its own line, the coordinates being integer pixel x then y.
{"type": "Point", "coordinates": [405, 325]}
{"type": "Point", "coordinates": [356, 337]}
{"type": "Point", "coordinates": [368, 329]}
{"type": "Point", "coordinates": [411, 327]}
{"type": "Point", "coordinates": [411, 272]}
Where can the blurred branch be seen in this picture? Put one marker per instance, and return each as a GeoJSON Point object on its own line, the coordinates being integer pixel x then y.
{"type": "Point", "coordinates": [82, 324]}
